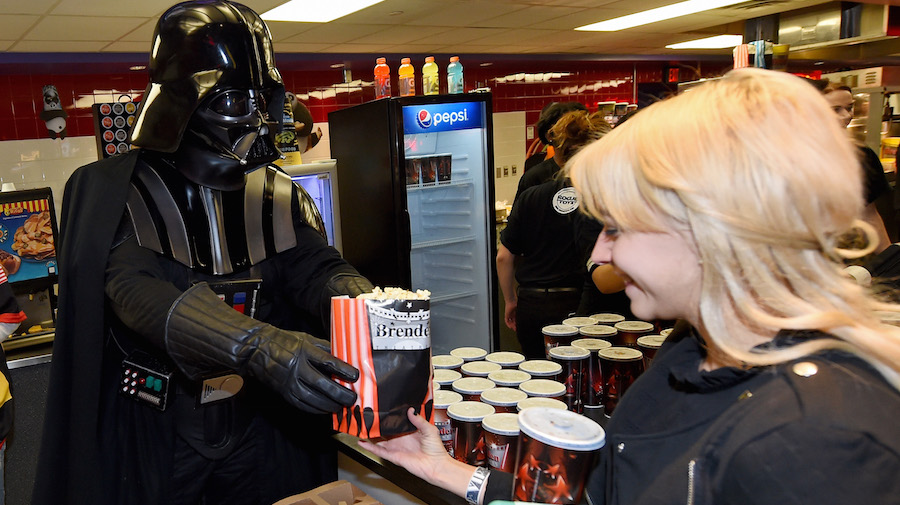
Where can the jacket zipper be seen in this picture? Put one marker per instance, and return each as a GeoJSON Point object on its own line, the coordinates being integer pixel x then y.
{"type": "Point", "coordinates": [692, 465]}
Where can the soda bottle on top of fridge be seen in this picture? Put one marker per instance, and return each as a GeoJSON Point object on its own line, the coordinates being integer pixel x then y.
{"type": "Point", "coordinates": [407, 81]}
{"type": "Point", "coordinates": [454, 76]}
{"type": "Point", "coordinates": [430, 83]}
{"type": "Point", "coordinates": [382, 79]}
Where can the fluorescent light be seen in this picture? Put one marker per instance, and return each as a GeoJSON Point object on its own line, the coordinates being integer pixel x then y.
{"type": "Point", "coordinates": [717, 42]}
{"type": "Point", "coordinates": [659, 14]}
{"type": "Point", "coordinates": [316, 11]}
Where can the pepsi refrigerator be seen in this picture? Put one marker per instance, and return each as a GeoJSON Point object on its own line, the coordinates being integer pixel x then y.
{"type": "Point", "coordinates": [417, 206]}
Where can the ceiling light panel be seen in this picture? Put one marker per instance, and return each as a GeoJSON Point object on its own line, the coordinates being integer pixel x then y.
{"type": "Point", "coordinates": [311, 11]}
{"type": "Point", "coordinates": [659, 14]}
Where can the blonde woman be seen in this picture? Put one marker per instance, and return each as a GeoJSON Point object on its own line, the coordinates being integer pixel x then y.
{"type": "Point", "coordinates": [786, 391]}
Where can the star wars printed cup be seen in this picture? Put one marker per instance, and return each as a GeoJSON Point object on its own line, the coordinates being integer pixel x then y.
{"type": "Point", "coordinates": [648, 345]}
{"type": "Point", "coordinates": [620, 367]}
{"type": "Point", "coordinates": [544, 388]}
{"type": "Point", "coordinates": [509, 378]}
{"type": "Point", "coordinates": [506, 359]}
{"type": "Point", "coordinates": [593, 379]}
{"type": "Point", "coordinates": [601, 331]}
{"type": "Point", "coordinates": [558, 334]}
{"type": "Point", "coordinates": [469, 353]}
{"type": "Point", "coordinates": [503, 399]}
{"type": "Point", "coordinates": [630, 331]}
{"type": "Point", "coordinates": [446, 361]}
{"type": "Point", "coordinates": [443, 400]}
{"type": "Point", "coordinates": [468, 435]}
{"type": "Point", "coordinates": [578, 321]}
{"type": "Point", "coordinates": [471, 387]}
{"type": "Point", "coordinates": [556, 453]}
{"type": "Point", "coordinates": [446, 377]}
{"type": "Point", "coordinates": [541, 369]}
{"type": "Point", "coordinates": [478, 368]}
{"type": "Point", "coordinates": [537, 401]}
{"type": "Point", "coordinates": [574, 362]}
{"type": "Point", "coordinates": [501, 439]}
{"type": "Point", "coordinates": [607, 318]}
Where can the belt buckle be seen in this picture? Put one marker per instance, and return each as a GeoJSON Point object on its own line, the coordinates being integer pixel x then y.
{"type": "Point", "coordinates": [218, 388]}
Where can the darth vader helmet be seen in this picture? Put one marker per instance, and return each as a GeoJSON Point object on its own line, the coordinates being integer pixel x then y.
{"type": "Point", "coordinates": [215, 98]}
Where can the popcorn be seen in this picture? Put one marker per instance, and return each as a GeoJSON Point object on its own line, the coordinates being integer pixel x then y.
{"type": "Point", "coordinates": [396, 294]}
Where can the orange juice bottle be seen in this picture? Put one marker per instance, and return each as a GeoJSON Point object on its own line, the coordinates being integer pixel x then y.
{"type": "Point", "coordinates": [407, 81]}
{"type": "Point", "coordinates": [382, 79]}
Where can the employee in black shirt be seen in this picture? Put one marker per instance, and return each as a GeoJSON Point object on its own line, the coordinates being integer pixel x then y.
{"type": "Point", "coordinates": [539, 247]}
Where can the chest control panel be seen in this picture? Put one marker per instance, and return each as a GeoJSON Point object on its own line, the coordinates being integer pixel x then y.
{"type": "Point", "coordinates": [146, 379]}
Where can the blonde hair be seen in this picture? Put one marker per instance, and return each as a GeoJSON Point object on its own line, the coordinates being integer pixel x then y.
{"type": "Point", "coordinates": [576, 129]}
{"type": "Point", "coordinates": [754, 166]}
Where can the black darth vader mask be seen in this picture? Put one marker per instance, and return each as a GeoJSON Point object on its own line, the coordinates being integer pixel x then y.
{"type": "Point", "coordinates": [215, 97]}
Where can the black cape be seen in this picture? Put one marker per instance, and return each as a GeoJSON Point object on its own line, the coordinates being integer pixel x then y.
{"type": "Point", "coordinates": [70, 463]}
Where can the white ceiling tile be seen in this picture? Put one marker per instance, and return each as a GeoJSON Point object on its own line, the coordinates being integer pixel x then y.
{"type": "Point", "coordinates": [333, 34]}
{"type": "Point", "coordinates": [65, 28]}
{"type": "Point", "coordinates": [26, 7]}
{"type": "Point", "coordinates": [15, 26]}
{"type": "Point", "coordinates": [149, 8]}
{"type": "Point", "coordinates": [401, 35]}
{"type": "Point", "coordinates": [46, 46]}
{"type": "Point", "coordinates": [464, 13]}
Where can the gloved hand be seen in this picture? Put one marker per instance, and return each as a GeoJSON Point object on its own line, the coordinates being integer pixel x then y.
{"type": "Point", "coordinates": [352, 285]}
{"type": "Point", "coordinates": [204, 335]}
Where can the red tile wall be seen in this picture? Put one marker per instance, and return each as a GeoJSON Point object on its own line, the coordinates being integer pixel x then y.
{"type": "Point", "coordinates": [323, 91]}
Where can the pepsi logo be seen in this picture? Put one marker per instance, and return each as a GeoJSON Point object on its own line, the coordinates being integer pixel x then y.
{"type": "Point", "coordinates": [423, 118]}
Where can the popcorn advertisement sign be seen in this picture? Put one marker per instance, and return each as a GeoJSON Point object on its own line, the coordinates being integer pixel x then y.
{"type": "Point", "coordinates": [27, 239]}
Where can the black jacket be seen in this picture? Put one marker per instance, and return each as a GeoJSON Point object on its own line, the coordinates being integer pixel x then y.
{"type": "Point", "coordinates": [769, 435]}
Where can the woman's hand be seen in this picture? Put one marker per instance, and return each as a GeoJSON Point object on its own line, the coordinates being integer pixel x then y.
{"type": "Point", "coordinates": [422, 453]}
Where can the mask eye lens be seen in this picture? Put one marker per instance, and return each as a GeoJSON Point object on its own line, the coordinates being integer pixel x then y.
{"type": "Point", "coordinates": [232, 104]}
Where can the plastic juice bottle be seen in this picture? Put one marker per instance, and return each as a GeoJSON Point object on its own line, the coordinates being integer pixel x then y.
{"type": "Point", "coordinates": [382, 79]}
{"type": "Point", "coordinates": [430, 83]}
{"type": "Point", "coordinates": [454, 76]}
{"type": "Point", "coordinates": [407, 78]}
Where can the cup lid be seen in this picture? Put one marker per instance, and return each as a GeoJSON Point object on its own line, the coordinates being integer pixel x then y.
{"type": "Point", "coordinates": [564, 429]}
{"type": "Point", "coordinates": [469, 411]}
{"type": "Point", "coordinates": [598, 331]}
{"type": "Point", "coordinates": [579, 321]}
{"type": "Point", "coordinates": [503, 397]}
{"type": "Point", "coordinates": [469, 353]}
{"type": "Point", "coordinates": [591, 344]}
{"type": "Point", "coordinates": [446, 361]}
{"type": "Point", "coordinates": [651, 341]}
{"type": "Point", "coordinates": [542, 387]}
{"type": "Point", "coordinates": [444, 398]}
{"type": "Point", "coordinates": [446, 376]}
{"type": "Point", "coordinates": [607, 317]}
{"type": "Point", "coordinates": [479, 368]}
{"type": "Point", "coordinates": [569, 353]}
{"type": "Point", "coordinates": [634, 326]}
{"type": "Point", "coordinates": [506, 358]}
{"type": "Point", "coordinates": [540, 401]}
{"type": "Point", "coordinates": [504, 423]}
{"type": "Point", "coordinates": [509, 377]}
{"type": "Point", "coordinates": [540, 367]}
{"type": "Point", "coordinates": [619, 354]}
{"type": "Point", "coordinates": [559, 330]}
{"type": "Point", "coordinates": [472, 385]}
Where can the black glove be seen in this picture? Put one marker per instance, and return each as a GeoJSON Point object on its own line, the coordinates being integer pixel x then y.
{"type": "Point", "coordinates": [352, 285]}
{"type": "Point", "coordinates": [203, 335]}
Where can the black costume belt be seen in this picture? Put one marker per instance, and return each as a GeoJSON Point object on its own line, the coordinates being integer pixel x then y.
{"type": "Point", "coordinates": [548, 290]}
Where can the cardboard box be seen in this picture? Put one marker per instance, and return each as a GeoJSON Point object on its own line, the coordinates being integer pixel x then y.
{"type": "Point", "coordinates": [339, 492]}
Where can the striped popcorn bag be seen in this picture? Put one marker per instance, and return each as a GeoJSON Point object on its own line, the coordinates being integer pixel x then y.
{"type": "Point", "coordinates": [389, 341]}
